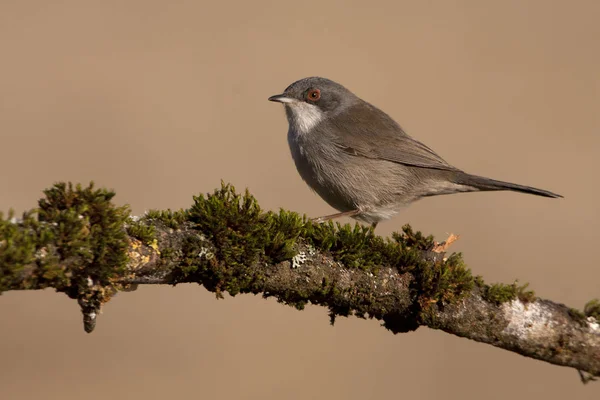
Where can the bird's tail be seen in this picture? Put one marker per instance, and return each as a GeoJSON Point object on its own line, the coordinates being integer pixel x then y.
{"type": "Point", "coordinates": [486, 184]}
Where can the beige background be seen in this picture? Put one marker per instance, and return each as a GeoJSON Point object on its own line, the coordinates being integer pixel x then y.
{"type": "Point", "coordinates": [160, 100]}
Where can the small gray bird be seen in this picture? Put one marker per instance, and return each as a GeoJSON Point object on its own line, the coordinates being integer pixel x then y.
{"type": "Point", "coordinates": [360, 161]}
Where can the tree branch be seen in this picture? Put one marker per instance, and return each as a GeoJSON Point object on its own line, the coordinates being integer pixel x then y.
{"type": "Point", "coordinates": [79, 243]}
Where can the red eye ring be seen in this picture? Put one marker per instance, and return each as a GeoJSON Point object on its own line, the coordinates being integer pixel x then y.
{"type": "Point", "coordinates": [313, 95]}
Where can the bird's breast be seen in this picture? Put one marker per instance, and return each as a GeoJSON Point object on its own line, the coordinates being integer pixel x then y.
{"type": "Point", "coordinates": [330, 172]}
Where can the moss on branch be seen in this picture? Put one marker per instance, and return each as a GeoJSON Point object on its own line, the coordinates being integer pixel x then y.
{"type": "Point", "coordinates": [80, 243]}
{"type": "Point", "coordinates": [77, 239]}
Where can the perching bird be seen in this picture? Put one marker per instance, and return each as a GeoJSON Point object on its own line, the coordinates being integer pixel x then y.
{"type": "Point", "coordinates": [360, 161]}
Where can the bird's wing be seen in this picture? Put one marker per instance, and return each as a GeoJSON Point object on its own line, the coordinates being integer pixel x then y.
{"type": "Point", "coordinates": [380, 137]}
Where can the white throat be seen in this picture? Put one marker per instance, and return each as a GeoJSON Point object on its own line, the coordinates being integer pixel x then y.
{"type": "Point", "coordinates": [303, 116]}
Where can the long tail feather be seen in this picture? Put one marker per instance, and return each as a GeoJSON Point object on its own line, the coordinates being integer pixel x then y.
{"type": "Point", "coordinates": [486, 184]}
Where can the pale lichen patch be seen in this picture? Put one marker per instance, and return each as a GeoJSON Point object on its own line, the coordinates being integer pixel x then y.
{"type": "Point", "coordinates": [206, 253]}
{"type": "Point", "coordinates": [299, 259]}
{"type": "Point", "coordinates": [531, 321]}
{"type": "Point", "coordinates": [154, 245]}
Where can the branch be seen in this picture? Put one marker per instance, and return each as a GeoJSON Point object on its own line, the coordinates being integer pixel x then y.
{"type": "Point", "coordinates": [80, 243]}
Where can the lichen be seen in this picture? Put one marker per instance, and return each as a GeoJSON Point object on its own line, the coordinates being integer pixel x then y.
{"type": "Point", "coordinates": [299, 259]}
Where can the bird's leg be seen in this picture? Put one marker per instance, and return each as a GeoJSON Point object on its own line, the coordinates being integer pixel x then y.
{"type": "Point", "coordinates": [350, 213]}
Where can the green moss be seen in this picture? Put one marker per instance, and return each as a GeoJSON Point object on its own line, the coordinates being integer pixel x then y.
{"type": "Point", "coordinates": [478, 280]}
{"type": "Point", "coordinates": [577, 315]}
{"type": "Point", "coordinates": [192, 248]}
{"type": "Point", "coordinates": [526, 296]}
{"type": "Point", "coordinates": [439, 284]}
{"type": "Point", "coordinates": [358, 247]}
{"type": "Point", "coordinates": [234, 234]}
{"type": "Point", "coordinates": [415, 240]}
{"type": "Point", "coordinates": [354, 246]}
{"type": "Point", "coordinates": [243, 235]}
{"type": "Point", "coordinates": [141, 230]}
{"type": "Point", "coordinates": [24, 253]}
{"type": "Point", "coordinates": [499, 293]}
{"type": "Point", "coordinates": [77, 236]}
{"type": "Point", "coordinates": [281, 233]}
{"type": "Point", "coordinates": [167, 253]}
{"type": "Point", "coordinates": [592, 309]}
{"type": "Point", "coordinates": [233, 222]}
{"type": "Point", "coordinates": [446, 281]}
{"type": "Point", "coordinates": [89, 229]}
{"type": "Point", "coordinates": [172, 219]}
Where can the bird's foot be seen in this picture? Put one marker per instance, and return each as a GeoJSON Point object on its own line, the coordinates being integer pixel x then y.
{"type": "Point", "coordinates": [325, 218]}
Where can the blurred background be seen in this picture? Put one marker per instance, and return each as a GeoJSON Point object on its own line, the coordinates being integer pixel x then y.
{"type": "Point", "coordinates": [161, 100]}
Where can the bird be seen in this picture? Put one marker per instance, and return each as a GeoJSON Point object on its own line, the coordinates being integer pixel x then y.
{"type": "Point", "coordinates": [361, 162]}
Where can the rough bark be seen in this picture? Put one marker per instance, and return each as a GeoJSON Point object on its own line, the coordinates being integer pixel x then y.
{"type": "Point", "coordinates": [538, 329]}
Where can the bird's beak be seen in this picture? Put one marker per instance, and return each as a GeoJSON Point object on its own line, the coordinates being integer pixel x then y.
{"type": "Point", "coordinates": [282, 98]}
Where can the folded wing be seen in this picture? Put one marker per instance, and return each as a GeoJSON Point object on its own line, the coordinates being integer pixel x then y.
{"type": "Point", "coordinates": [370, 133]}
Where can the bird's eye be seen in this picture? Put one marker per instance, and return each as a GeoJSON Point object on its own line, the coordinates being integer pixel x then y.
{"type": "Point", "coordinates": [313, 95]}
